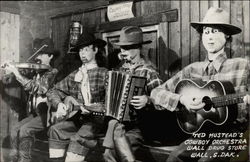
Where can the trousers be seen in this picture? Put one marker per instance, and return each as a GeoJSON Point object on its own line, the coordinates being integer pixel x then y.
{"type": "Point", "coordinates": [76, 136]}
{"type": "Point", "coordinates": [127, 140]}
{"type": "Point", "coordinates": [22, 136]}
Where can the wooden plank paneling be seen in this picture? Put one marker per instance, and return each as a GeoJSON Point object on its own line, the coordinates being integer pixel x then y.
{"type": "Point", "coordinates": [90, 18]}
{"type": "Point", "coordinates": [214, 3]}
{"type": "Point", "coordinates": [156, 18]}
{"type": "Point", "coordinates": [9, 51]}
{"type": "Point", "coordinates": [150, 50]}
{"type": "Point", "coordinates": [174, 37]}
{"type": "Point", "coordinates": [163, 40]}
{"type": "Point", "coordinates": [163, 5]}
{"type": "Point", "coordinates": [9, 31]}
{"type": "Point", "coordinates": [185, 32]}
{"type": "Point", "coordinates": [148, 7]}
{"type": "Point", "coordinates": [97, 17]}
{"type": "Point", "coordinates": [226, 6]}
{"type": "Point", "coordinates": [103, 15]}
{"type": "Point", "coordinates": [194, 35]}
{"type": "Point", "coordinates": [246, 29]}
{"type": "Point", "coordinates": [174, 43]}
{"type": "Point", "coordinates": [137, 6]}
{"type": "Point", "coordinates": [182, 40]}
{"type": "Point", "coordinates": [236, 19]}
{"type": "Point", "coordinates": [204, 5]}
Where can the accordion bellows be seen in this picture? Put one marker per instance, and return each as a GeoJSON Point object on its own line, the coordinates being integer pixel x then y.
{"type": "Point", "coordinates": [121, 87]}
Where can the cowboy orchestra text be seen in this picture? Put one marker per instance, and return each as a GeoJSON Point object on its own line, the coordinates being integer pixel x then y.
{"type": "Point", "coordinates": [217, 142]}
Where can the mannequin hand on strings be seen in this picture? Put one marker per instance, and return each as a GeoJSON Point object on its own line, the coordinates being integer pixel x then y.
{"type": "Point", "coordinates": [191, 102]}
{"type": "Point", "coordinates": [61, 110]}
{"type": "Point", "coordinates": [246, 99]}
{"type": "Point", "coordinates": [84, 110]}
{"type": "Point", "coordinates": [139, 101]}
{"type": "Point", "coordinates": [10, 68]}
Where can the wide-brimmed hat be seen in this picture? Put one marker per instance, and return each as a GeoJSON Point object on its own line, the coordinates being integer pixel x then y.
{"type": "Point", "coordinates": [131, 35]}
{"type": "Point", "coordinates": [218, 17]}
{"type": "Point", "coordinates": [88, 38]}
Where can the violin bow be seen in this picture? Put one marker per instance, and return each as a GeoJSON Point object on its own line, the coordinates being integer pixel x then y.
{"type": "Point", "coordinates": [45, 45]}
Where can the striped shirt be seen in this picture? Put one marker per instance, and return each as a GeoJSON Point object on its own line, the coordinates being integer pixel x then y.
{"type": "Point", "coordinates": [69, 87]}
{"type": "Point", "coordinates": [235, 70]}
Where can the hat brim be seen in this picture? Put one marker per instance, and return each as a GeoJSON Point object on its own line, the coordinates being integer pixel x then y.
{"type": "Point", "coordinates": [229, 29]}
{"type": "Point", "coordinates": [98, 42]}
{"type": "Point", "coordinates": [131, 43]}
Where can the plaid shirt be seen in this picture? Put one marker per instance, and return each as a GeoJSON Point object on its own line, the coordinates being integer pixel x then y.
{"type": "Point", "coordinates": [69, 87]}
{"type": "Point", "coordinates": [146, 70]}
{"type": "Point", "coordinates": [41, 84]}
{"type": "Point", "coordinates": [38, 87]}
{"type": "Point", "coordinates": [235, 70]}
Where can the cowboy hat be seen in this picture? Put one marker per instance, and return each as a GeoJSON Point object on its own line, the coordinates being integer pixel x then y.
{"type": "Point", "coordinates": [131, 35]}
{"type": "Point", "coordinates": [87, 38]}
{"type": "Point", "coordinates": [218, 17]}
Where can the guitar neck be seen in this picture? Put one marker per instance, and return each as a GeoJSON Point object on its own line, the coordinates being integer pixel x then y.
{"type": "Point", "coordinates": [92, 110]}
{"type": "Point", "coordinates": [226, 100]}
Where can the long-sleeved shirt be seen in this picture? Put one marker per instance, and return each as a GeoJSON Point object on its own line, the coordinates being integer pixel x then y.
{"type": "Point", "coordinates": [70, 87]}
{"type": "Point", "coordinates": [40, 83]}
{"type": "Point", "coordinates": [236, 71]}
{"type": "Point", "coordinates": [37, 88]}
{"type": "Point", "coordinates": [145, 69]}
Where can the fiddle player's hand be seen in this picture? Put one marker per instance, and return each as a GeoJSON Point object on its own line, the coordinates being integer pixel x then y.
{"type": "Point", "coordinates": [139, 101]}
{"type": "Point", "coordinates": [11, 68]}
{"type": "Point", "coordinates": [246, 99]}
{"type": "Point", "coordinates": [61, 110]}
{"type": "Point", "coordinates": [84, 111]}
{"type": "Point", "coordinates": [8, 78]}
{"type": "Point", "coordinates": [192, 103]}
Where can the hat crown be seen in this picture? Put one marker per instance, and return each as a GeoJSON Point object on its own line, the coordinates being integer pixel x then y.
{"type": "Point", "coordinates": [217, 15]}
{"type": "Point", "coordinates": [131, 34]}
{"type": "Point", "coordinates": [88, 38]}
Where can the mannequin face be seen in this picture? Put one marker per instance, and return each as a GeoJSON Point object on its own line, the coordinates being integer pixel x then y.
{"type": "Point", "coordinates": [213, 39]}
{"type": "Point", "coordinates": [130, 55]}
{"type": "Point", "coordinates": [44, 58]}
{"type": "Point", "coordinates": [87, 54]}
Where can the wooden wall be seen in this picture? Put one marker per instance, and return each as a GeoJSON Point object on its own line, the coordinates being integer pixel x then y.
{"type": "Point", "coordinates": [183, 44]}
{"type": "Point", "coordinates": [185, 41]}
{"type": "Point", "coordinates": [179, 43]}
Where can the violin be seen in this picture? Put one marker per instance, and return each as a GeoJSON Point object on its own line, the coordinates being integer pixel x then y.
{"type": "Point", "coordinates": [28, 65]}
{"type": "Point", "coordinates": [34, 66]}
{"type": "Point", "coordinates": [27, 69]}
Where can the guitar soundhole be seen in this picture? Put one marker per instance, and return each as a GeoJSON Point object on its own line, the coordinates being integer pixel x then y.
{"type": "Point", "coordinates": [208, 103]}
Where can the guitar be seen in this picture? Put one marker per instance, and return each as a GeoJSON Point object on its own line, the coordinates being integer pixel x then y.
{"type": "Point", "coordinates": [74, 108]}
{"type": "Point", "coordinates": [220, 104]}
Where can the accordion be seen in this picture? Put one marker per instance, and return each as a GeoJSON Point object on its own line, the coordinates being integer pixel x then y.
{"type": "Point", "coordinates": [121, 87]}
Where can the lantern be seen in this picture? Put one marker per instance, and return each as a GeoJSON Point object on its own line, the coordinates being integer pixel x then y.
{"type": "Point", "coordinates": [75, 32]}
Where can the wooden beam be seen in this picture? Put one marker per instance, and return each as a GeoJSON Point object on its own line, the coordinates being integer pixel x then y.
{"type": "Point", "coordinates": [80, 11]}
{"type": "Point", "coordinates": [165, 16]}
{"type": "Point", "coordinates": [9, 7]}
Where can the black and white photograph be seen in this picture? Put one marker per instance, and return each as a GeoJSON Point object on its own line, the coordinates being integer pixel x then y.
{"type": "Point", "coordinates": [125, 81]}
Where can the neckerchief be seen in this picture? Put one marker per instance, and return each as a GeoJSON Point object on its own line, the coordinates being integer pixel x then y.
{"type": "Point", "coordinates": [82, 76]}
